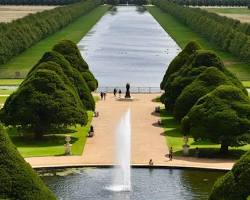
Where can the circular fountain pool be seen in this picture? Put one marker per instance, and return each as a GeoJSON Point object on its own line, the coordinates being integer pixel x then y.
{"type": "Point", "coordinates": [157, 184]}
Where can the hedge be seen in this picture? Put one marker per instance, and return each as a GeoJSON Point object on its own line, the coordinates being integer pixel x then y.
{"type": "Point", "coordinates": [228, 34]}
{"type": "Point", "coordinates": [19, 35]}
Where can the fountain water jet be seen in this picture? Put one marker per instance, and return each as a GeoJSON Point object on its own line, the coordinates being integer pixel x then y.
{"type": "Point", "coordinates": [122, 174]}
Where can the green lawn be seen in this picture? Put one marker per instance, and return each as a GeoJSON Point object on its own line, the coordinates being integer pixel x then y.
{"type": "Point", "coordinates": [236, 10]}
{"type": "Point", "coordinates": [183, 34]}
{"type": "Point", "coordinates": [10, 81]}
{"type": "Point", "coordinates": [52, 145]}
{"type": "Point", "coordinates": [74, 31]}
{"type": "Point", "coordinates": [246, 84]}
{"type": "Point", "coordinates": [174, 139]}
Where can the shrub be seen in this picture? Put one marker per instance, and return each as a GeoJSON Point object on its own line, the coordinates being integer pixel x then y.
{"type": "Point", "coordinates": [17, 178]}
{"type": "Point", "coordinates": [222, 116]}
{"type": "Point", "coordinates": [235, 184]}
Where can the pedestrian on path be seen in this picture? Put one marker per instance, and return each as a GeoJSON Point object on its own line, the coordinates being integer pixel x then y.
{"type": "Point", "coordinates": [101, 95]}
{"type": "Point", "coordinates": [115, 91]}
{"type": "Point", "coordinates": [120, 93]}
{"type": "Point", "coordinates": [170, 155]}
{"type": "Point", "coordinates": [104, 95]}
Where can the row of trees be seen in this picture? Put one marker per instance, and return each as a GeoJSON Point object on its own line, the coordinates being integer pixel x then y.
{"type": "Point", "coordinates": [212, 2]}
{"type": "Point", "coordinates": [55, 94]}
{"type": "Point", "coordinates": [228, 34]}
{"type": "Point", "coordinates": [37, 2]}
{"type": "Point", "coordinates": [208, 100]}
{"type": "Point", "coordinates": [20, 34]}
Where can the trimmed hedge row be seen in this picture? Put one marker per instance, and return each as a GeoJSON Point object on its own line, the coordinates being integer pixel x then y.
{"type": "Point", "coordinates": [19, 35]}
{"type": "Point", "coordinates": [228, 34]}
{"type": "Point", "coordinates": [37, 2]}
{"type": "Point", "coordinates": [17, 179]}
{"type": "Point", "coordinates": [213, 2]}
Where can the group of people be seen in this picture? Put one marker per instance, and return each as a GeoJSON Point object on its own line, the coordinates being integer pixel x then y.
{"type": "Point", "coordinates": [115, 92]}
{"type": "Point", "coordinates": [103, 95]}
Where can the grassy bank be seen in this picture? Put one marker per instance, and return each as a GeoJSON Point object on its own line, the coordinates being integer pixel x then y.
{"type": "Point", "coordinates": [183, 34]}
{"type": "Point", "coordinates": [52, 145]}
{"type": "Point", "coordinates": [74, 31]}
{"type": "Point", "coordinates": [174, 138]}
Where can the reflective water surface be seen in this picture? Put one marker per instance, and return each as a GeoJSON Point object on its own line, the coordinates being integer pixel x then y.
{"type": "Point", "coordinates": [147, 184]}
{"type": "Point", "coordinates": [128, 45]}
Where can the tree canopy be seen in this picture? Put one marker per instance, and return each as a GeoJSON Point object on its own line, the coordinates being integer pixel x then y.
{"type": "Point", "coordinates": [235, 184]}
{"type": "Point", "coordinates": [17, 178]}
{"type": "Point", "coordinates": [70, 51]}
{"type": "Point", "coordinates": [53, 95]}
{"type": "Point", "coordinates": [198, 63]}
{"type": "Point", "coordinates": [222, 116]}
{"type": "Point", "coordinates": [206, 82]}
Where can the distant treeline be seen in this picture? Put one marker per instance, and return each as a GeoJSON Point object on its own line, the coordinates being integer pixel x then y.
{"type": "Point", "coordinates": [228, 34]}
{"type": "Point", "coordinates": [19, 35]}
{"type": "Point", "coordinates": [37, 2]}
{"type": "Point", "coordinates": [136, 2]}
{"type": "Point", "coordinates": [213, 2]}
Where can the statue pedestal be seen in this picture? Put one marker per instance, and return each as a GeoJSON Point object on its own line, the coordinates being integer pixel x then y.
{"type": "Point", "coordinates": [67, 146]}
{"type": "Point", "coordinates": [185, 150]}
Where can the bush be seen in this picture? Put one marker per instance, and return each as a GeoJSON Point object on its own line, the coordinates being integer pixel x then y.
{"type": "Point", "coordinates": [202, 85]}
{"type": "Point", "coordinates": [235, 184]}
{"type": "Point", "coordinates": [17, 178]}
{"type": "Point", "coordinates": [70, 51]}
{"type": "Point", "coordinates": [222, 116]}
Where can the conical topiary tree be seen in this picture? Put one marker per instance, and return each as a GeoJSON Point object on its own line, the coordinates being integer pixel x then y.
{"type": "Point", "coordinates": [235, 184]}
{"type": "Point", "coordinates": [17, 178]}
{"type": "Point", "coordinates": [222, 116]}
{"type": "Point", "coordinates": [207, 81]}
{"type": "Point", "coordinates": [70, 51]}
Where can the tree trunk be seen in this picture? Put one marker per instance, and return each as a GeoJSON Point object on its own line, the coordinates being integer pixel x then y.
{"type": "Point", "coordinates": [224, 148]}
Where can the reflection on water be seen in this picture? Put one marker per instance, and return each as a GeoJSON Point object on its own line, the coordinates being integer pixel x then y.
{"type": "Point", "coordinates": [128, 45]}
{"type": "Point", "coordinates": [155, 184]}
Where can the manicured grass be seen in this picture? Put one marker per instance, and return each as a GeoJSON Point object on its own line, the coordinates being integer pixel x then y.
{"type": "Point", "coordinates": [10, 81]}
{"type": "Point", "coordinates": [174, 138]}
{"type": "Point", "coordinates": [246, 84]}
{"type": "Point", "coordinates": [6, 92]}
{"type": "Point", "coordinates": [52, 145]}
{"type": "Point", "coordinates": [74, 31]}
{"type": "Point", "coordinates": [236, 10]}
{"type": "Point", "coordinates": [183, 34]}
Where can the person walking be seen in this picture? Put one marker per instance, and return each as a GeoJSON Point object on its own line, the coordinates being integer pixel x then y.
{"type": "Point", "coordinates": [104, 95]}
{"type": "Point", "coordinates": [101, 95]}
{"type": "Point", "coordinates": [120, 93]}
{"type": "Point", "coordinates": [115, 91]}
{"type": "Point", "coordinates": [170, 155]}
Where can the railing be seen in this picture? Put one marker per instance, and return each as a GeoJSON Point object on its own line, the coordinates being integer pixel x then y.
{"type": "Point", "coordinates": [142, 90]}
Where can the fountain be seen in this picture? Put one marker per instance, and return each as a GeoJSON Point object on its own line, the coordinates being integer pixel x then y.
{"type": "Point", "coordinates": [122, 177]}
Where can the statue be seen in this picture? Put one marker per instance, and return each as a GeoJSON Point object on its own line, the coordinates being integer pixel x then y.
{"type": "Point", "coordinates": [127, 95]}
